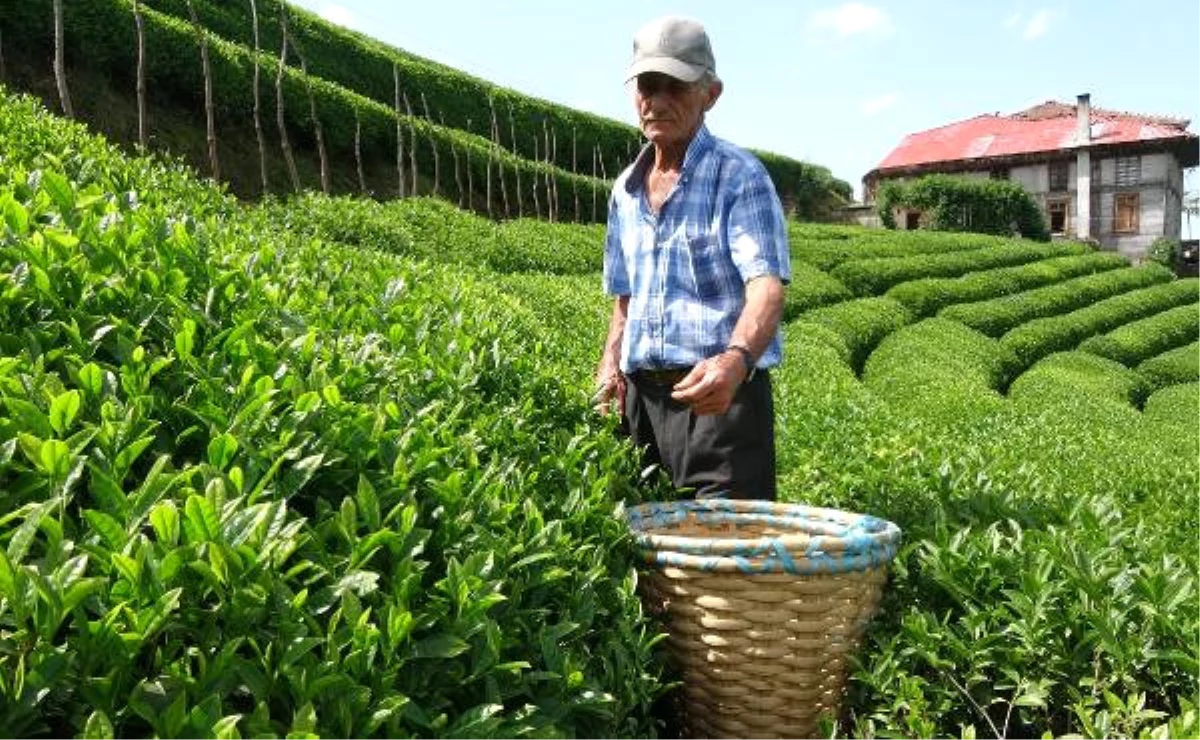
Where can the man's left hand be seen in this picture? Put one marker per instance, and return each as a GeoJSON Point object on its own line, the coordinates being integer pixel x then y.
{"type": "Point", "coordinates": [711, 385]}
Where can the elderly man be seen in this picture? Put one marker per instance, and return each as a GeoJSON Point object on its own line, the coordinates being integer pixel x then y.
{"type": "Point", "coordinates": [696, 256]}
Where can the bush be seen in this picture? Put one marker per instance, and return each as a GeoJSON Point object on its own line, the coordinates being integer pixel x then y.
{"type": "Point", "coordinates": [966, 204]}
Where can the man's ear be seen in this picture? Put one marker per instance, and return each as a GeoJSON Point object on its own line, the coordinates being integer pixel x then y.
{"type": "Point", "coordinates": [714, 91]}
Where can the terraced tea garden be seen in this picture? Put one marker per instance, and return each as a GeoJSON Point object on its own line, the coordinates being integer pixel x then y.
{"type": "Point", "coordinates": [326, 467]}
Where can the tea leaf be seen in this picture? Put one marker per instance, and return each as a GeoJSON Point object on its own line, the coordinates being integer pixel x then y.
{"type": "Point", "coordinates": [63, 409]}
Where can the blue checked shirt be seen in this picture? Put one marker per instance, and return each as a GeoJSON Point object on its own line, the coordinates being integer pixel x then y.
{"type": "Point", "coordinates": [685, 269]}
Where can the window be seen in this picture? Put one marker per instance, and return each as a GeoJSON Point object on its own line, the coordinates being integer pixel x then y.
{"type": "Point", "coordinates": [1059, 212]}
{"type": "Point", "coordinates": [1125, 219]}
{"type": "Point", "coordinates": [1058, 176]}
{"type": "Point", "coordinates": [1000, 173]}
{"type": "Point", "coordinates": [1129, 171]}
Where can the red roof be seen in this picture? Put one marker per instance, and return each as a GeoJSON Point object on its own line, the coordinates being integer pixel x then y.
{"type": "Point", "coordinates": [1047, 127]}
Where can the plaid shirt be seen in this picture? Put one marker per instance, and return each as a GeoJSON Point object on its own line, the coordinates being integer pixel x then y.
{"type": "Point", "coordinates": [685, 269]}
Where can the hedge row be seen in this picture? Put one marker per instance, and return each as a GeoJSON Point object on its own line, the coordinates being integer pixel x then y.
{"type": "Point", "coordinates": [861, 324]}
{"type": "Point", "coordinates": [102, 32]}
{"type": "Point", "coordinates": [865, 277]}
{"type": "Point", "coordinates": [1175, 404]}
{"type": "Point", "coordinates": [996, 316]}
{"type": "Point", "coordinates": [811, 288]}
{"type": "Point", "coordinates": [431, 228]}
{"type": "Point", "coordinates": [1140, 340]}
{"type": "Point", "coordinates": [1077, 375]}
{"type": "Point", "coordinates": [827, 246]}
{"type": "Point", "coordinates": [927, 296]}
{"type": "Point", "coordinates": [1040, 337]}
{"type": "Point", "coordinates": [1179, 365]}
{"type": "Point", "coordinates": [939, 367]}
{"type": "Point", "coordinates": [370, 67]}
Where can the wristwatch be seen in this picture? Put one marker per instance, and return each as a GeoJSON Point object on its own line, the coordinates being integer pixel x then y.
{"type": "Point", "coordinates": [747, 359]}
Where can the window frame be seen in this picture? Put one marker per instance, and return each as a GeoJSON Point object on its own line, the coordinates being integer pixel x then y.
{"type": "Point", "coordinates": [1051, 205]}
{"type": "Point", "coordinates": [1064, 168]}
{"type": "Point", "coordinates": [1128, 171]}
{"type": "Point", "coordinates": [1130, 204]}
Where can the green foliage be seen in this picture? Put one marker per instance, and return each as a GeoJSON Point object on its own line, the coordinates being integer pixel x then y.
{"type": "Point", "coordinates": [874, 276]}
{"type": "Point", "coordinates": [996, 316]}
{"type": "Point", "coordinates": [264, 473]}
{"type": "Point", "coordinates": [430, 228]}
{"type": "Point", "coordinates": [258, 483]}
{"type": "Point", "coordinates": [1077, 375]}
{"type": "Point", "coordinates": [860, 324]}
{"type": "Point", "coordinates": [936, 362]}
{"type": "Point", "coordinates": [1037, 338]}
{"type": "Point", "coordinates": [535, 145]}
{"type": "Point", "coordinates": [826, 246]}
{"type": "Point", "coordinates": [811, 288]}
{"type": "Point", "coordinates": [927, 296]}
{"type": "Point", "coordinates": [1164, 251]}
{"type": "Point", "coordinates": [1140, 340]}
{"type": "Point", "coordinates": [950, 203]}
{"type": "Point", "coordinates": [1179, 365]}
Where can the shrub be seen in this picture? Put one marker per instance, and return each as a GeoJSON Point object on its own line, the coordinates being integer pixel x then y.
{"type": "Point", "coordinates": [966, 204]}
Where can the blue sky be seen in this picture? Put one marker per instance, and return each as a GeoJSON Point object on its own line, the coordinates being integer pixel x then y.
{"type": "Point", "coordinates": [834, 83]}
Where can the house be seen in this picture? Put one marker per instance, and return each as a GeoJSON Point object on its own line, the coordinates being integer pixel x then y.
{"type": "Point", "coordinates": [1112, 177]}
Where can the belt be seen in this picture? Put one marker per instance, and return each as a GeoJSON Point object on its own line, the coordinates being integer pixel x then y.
{"type": "Point", "coordinates": [661, 376]}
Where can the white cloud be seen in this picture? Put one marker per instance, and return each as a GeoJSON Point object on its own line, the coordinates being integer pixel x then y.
{"type": "Point", "coordinates": [1034, 25]}
{"type": "Point", "coordinates": [339, 15]}
{"type": "Point", "coordinates": [879, 103]}
{"type": "Point", "coordinates": [851, 19]}
{"type": "Point", "coordinates": [1037, 25]}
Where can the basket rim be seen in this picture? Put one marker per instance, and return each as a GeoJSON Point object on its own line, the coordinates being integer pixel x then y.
{"type": "Point", "coordinates": [822, 540]}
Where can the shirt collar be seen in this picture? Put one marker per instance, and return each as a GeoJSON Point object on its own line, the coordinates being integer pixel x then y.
{"type": "Point", "coordinates": [701, 142]}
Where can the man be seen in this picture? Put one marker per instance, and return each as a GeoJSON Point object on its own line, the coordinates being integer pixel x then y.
{"type": "Point", "coordinates": [696, 256]}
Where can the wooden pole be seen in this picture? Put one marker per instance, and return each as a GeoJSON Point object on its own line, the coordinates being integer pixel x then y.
{"type": "Point", "coordinates": [143, 139]}
{"type": "Point", "coordinates": [316, 121]}
{"type": "Point", "coordinates": [279, 118]}
{"type": "Point", "coordinates": [399, 132]}
{"type": "Point", "coordinates": [209, 104]}
{"type": "Point", "coordinates": [258, 130]}
{"type": "Point", "coordinates": [412, 150]}
{"type": "Point", "coordinates": [454, 153]}
{"type": "Point", "coordinates": [60, 72]}
{"type": "Point", "coordinates": [537, 206]}
{"type": "Point", "coordinates": [575, 170]}
{"type": "Point", "coordinates": [437, 164]}
{"type": "Point", "coordinates": [499, 163]}
{"type": "Point", "coordinates": [362, 180]}
{"type": "Point", "coordinates": [516, 169]}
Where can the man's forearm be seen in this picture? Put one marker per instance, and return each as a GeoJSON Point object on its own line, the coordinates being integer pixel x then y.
{"type": "Point", "coordinates": [610, 358]}
{"type": "Point", "coordinates": [760, 318]}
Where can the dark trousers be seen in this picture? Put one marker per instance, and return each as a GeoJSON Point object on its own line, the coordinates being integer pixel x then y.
{"type": "Point", "coordinates": [727, 456]}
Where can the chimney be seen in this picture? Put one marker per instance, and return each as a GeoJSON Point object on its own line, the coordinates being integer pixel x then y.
{"type": "Point", "coordinates": [1083, 167]}
{"type": "Point", "coordinates": [1083, 118]}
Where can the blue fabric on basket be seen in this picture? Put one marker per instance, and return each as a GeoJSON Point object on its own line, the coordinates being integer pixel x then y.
{"type": "Point", "coordinates": [823, 540]}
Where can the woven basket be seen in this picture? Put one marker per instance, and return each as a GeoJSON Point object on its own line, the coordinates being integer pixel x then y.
{"type": "Point", "coordinates": [764, 604]}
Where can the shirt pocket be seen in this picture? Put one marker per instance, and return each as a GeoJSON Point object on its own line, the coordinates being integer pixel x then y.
{"type": "Point", "coordinates": [708, 263]}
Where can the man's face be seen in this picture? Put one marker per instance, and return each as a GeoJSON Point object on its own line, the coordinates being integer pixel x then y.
{"type": "Point", "coordinates": [670, 110]}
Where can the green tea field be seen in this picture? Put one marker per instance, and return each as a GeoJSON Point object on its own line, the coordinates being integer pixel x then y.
{"type": "Point", "coordinates": [324, 466]}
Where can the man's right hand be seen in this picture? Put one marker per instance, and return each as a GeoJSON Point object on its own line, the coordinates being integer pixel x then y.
{"type": "Point", "coordinates": [610, 392]}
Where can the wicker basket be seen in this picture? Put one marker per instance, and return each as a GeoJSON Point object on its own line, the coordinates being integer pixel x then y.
{"type": "Point", "coordinates": [763, 603]}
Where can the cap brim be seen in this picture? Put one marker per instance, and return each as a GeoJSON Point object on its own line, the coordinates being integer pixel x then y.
{"type": "Point", "coordinates": [667, 66]}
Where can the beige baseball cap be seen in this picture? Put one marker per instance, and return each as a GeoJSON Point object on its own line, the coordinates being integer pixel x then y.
{"type": "Point", "coordinates": [673, 46]}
